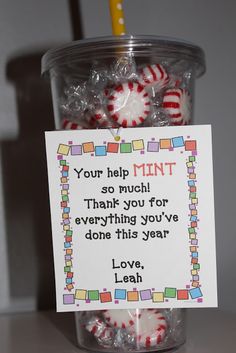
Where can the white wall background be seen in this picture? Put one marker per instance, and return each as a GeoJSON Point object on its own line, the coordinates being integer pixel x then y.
{"type": "Point", "coordinates": [28, 26]}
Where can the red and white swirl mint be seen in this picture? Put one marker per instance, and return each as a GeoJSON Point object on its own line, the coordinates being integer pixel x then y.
{"type": "Point", "coordinates": [99, 328]}
{"type": "Point", "coordinates": [99, 117]}
{"type": "Point", "coordinates": [70, 125]}
{"type": "Point", "coordinates": [151, 328]}
{"type": "Point", "coordinates": [154, 76]}
{"type": "Point", "coordinates": [129, 104]}
{"type": "Point", "coordinates": [177, 103]}
{"type": "Point", "coordinates": [121, 318]}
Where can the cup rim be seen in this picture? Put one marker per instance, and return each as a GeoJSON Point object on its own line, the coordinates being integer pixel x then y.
{"type": "Point", "coordinates": [140, 45]}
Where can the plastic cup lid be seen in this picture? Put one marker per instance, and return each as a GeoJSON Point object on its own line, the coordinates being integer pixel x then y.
{"type": "Point", "coordinates": [138, 45]}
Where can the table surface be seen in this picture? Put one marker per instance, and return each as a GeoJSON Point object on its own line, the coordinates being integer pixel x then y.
{"type": "Point", "coordinates": [208, 331]}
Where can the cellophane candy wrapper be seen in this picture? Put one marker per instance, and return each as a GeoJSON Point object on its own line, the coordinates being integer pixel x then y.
{"type": "Point", "coordinates": [127, 95]}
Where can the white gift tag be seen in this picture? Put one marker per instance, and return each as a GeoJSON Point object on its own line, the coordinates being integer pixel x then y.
{"type": "Point", "coordinates": [132, 219]}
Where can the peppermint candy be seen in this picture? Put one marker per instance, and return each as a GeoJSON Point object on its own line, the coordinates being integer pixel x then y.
{"type": "Point", "coordinates": [151, 328]}
{"type": "Point", "coordinates": [129, 104]}
{"type": "Point", "coordinates": [70, 125]}
{"type": "Point", "coordinates": [154, 76]}
{"type": "Point", "coordinates": [121, 318]}
{"type": "Point", "coordinates": [101, 331]}
{"type": "Point", "coordinates": [177, 103]}
{"type": "Point", "coordinates": [99, 118]}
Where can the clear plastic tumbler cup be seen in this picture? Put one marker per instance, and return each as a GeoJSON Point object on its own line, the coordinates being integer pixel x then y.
{"type": "Point", "coordinates": [125, 81]}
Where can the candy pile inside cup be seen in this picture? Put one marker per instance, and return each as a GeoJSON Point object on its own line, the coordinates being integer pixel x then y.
{"type": "Point", "coordinates": [132, 329]}
{"type": "Point", "coordinates": [124, 94]}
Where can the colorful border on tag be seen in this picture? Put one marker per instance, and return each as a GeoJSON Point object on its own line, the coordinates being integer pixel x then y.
{"type": "Point", "coordinates": [190, 292]}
